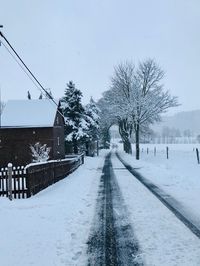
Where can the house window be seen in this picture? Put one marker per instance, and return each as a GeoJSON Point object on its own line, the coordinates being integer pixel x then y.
{"type": "Point", "coordinates": [57, 120]}
{"type": "Point", "coordinates": [58, 138]}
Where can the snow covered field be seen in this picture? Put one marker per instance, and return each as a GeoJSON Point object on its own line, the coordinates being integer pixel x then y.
{"type": "Point", "coordinates": [52, 227]}
{"type": "Point", "coordinates": [179, 176]}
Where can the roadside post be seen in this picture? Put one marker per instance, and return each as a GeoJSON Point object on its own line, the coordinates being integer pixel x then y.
{"type": "Point", "coordinates": [167, 150]}
{"type": "Point", "coordinates": [197, 153]}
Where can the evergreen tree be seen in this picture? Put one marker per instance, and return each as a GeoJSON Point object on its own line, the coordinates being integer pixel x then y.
{"type": "Point", "coordinates": [92, 118]}
{"type": "Point", "coordinates": [73, 110]}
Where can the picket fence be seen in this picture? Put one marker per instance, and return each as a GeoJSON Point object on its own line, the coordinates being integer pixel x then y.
{"type": "Point", "coordinates": [29, 180]}
{"type": "Point", "coordinates": [19, 184]}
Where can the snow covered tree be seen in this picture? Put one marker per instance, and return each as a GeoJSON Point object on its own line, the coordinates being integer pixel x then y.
{"type": "Point", "coordinates": [92, 117]}
{"type": "Point", "coordinates": [75, 124]}
{"type": "Point", "coordinates": [40, 153]}
{"type": "Point", "coordinates": [150, 98]}
{"type": "Point", "coordinates": [107, 119]}
{"type": "Point", "coordinates": [118, 99]}
{"type": "Point", "coordinates": [137, 98]}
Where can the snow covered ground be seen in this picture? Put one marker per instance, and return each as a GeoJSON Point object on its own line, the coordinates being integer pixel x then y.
{"type": "Point", "coordinates": [163, 239]}
{"type": "Point", "coordinates": [178, 176]}
{"type": "Point", "coordinates": [52, 227]}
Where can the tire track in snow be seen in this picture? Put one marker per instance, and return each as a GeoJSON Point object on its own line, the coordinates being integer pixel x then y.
{"type": "Point", "coordinates": [112, 241]}
{"type": "Point", "coordinates": [172, 204]}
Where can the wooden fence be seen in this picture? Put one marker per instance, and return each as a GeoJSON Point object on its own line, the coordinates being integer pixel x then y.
{"type": "Point", "coordinates": [19, 177]}
{"type": "Point", "coordinates": [29, 180]}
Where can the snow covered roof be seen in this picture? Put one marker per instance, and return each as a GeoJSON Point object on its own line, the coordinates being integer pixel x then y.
{"type": "Point", "coordinates": [29, 113]}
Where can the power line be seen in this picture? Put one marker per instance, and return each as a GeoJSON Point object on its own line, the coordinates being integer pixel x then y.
{"type": "Point", "coordinates": [22, 67]}
{"type": "Point", "coordinates": [33, 78]}
{"type": "Point", "coordinates": [26, 73]}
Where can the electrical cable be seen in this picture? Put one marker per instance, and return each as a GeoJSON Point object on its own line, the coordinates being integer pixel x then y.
{"type": "Point", "coordinates": [22, 68]}
{"type": "Point", "coordinates": [31, 76]}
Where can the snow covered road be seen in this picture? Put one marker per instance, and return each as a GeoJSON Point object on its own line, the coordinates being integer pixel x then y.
{"type": "Point", "coordinates": [98, 215]}
{"type": "Point", "coordinates": [112, 241]}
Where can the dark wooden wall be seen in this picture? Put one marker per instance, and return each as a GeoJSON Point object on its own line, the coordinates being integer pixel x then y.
{"type": "Point", "coordinates": [15, 143]}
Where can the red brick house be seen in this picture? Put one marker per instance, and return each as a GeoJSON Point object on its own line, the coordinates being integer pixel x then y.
{"type": "Point", "coordinates": [26, 122]}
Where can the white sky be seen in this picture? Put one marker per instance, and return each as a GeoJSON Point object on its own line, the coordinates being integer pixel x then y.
{"type": "Point", "coordinates": [81, 40]}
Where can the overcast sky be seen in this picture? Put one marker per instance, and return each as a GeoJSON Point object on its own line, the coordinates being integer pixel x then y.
{"type": "Point", "coordinates": [82, 40]}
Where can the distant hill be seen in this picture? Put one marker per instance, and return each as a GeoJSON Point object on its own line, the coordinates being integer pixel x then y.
{"type": "Point", "coordinates": [182, 121]}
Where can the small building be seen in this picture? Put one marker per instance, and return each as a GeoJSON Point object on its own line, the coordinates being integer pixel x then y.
{"type": "Point", "coordinates": [26, 122]}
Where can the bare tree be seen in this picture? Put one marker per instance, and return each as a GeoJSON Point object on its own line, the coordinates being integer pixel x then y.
{"type": "Point", "coordinates": [136, 99]}
{"type": "Point", "coordinates": [150, 98]}
{"type": "Point", "coordinates": [121, 98]}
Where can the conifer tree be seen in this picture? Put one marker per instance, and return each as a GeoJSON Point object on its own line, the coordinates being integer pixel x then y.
{"type": "Point", "coordinates": [92, 117]}
{"type": "Point", "coordinates": [74, 113]}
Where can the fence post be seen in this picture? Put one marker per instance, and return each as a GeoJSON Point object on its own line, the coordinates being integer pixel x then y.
{"type": "Point", "coordinates": [197, 152]}
{"type": "Point", "coordinates": [28, 183]}
{"type": "Point", "coordinates": [10, 181]}
{"type": "Point", "coordinates": [154, 151]}
{"type": "Point", "coordinates": [167, 150]}
{"type": "Point", "coordinates": [147, 150]}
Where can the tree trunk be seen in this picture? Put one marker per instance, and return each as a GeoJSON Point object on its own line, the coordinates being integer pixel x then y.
{"type": "Point", "coordinates": [137, 142]}
{"type": "Point", "coordinates": [75, 145]}
{"type": "Point", "coordinates": [128, 146]}
{"type": "Point", "coordinates": [87, 148]}
{"type": "Point", "coordinates": [124, 146]}
{"type": "Point", "coordinates": [124, 133]}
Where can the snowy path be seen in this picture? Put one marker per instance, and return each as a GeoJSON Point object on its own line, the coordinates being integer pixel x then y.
{"type": "Point", "coordinates": [112, 241]}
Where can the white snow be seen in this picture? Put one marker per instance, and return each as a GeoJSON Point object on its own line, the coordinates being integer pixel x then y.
{"type": "Point", "coordinates": [163, 239]}
{"type": "Point", "coordinates": [29, 113]}
{"type": "Point", "coordinates": [178, 176]}
{"type": "Point", "coordinates": [52, 227]}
